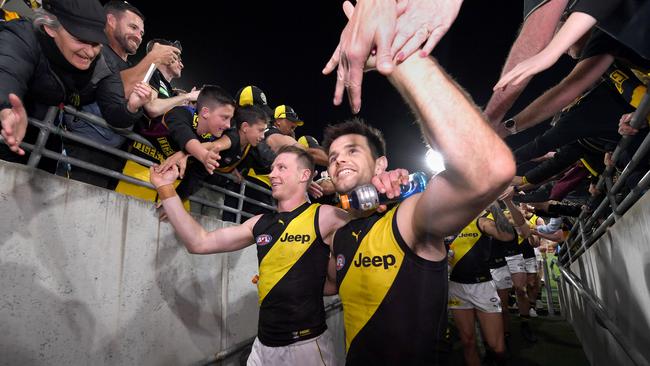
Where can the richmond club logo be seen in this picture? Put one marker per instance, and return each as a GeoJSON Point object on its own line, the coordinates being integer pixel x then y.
{"type": "Point", "coordinates": [340, 262]}
{"type": "Point", "coordinates": [263, 239]}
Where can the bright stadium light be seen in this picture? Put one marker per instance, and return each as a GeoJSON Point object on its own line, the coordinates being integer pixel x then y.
{"type": "Point", "coordinates": [434, 161]}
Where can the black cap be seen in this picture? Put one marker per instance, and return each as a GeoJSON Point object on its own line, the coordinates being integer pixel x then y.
{"type": "Point", "coordinates": [252, 95]}
{"type": "Point", "coordinates": [84, 19]}
{"type": "Point", "coordinates": [284, 111]}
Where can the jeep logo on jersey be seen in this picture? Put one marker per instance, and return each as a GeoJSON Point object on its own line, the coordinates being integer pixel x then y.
{"type": "Point", "coordinates": [376, 261]}
{"type": "Point", "coordinates": [263, 239]}
{"type": "Point", "coordinates": [468, 235]}
{"type": "Point", "coordinates": [295, 238]}
{"type": "Point", "coordinates": [340, 262]}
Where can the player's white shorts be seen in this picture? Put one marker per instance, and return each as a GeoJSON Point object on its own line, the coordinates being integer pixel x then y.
{"type": "Point", "coordinates": [516, 264]}
{"type": "Point", "coordinates": [531, 265]}
{"type": "Point", "coordinates": [481, 296]}
{"type": "Point", "coordinates": [316, 351]}
{"type": "Point", "coordinates": [501, 277]}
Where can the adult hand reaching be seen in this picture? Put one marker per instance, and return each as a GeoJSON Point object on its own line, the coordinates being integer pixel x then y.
{"type": "Point", "coordinates": [423, 22]}
{"type": "Point", "coordinates": [14, 124]}
{"type": "Point", "coordinates": [371, 25]}
{"type": "Point", "coordinates": [527, 69]}
{"type": "Point", "coordinates": [159, 179]}
{"type": "Point", "coordinates": [141, 95]}
{"type": "Point", "coordinates": [385, 29]}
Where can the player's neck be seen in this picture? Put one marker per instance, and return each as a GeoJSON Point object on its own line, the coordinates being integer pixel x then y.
{"type": "Point", "coordinates": [291, 203]}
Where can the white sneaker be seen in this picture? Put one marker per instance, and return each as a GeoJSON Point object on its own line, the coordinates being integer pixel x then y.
{"type": "Point", "coordinates": [532, 313]}
{"type": "Point", "coordinates": [539, 304]}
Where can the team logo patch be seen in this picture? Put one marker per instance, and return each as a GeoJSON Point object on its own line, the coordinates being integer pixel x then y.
{"type": "Point", "coordinates": [340, 262]}
{"type": "Point", "coordinates": [263, 239]}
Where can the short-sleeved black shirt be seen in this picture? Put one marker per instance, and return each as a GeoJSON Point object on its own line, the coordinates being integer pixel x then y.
{"type": "Point", "coordinates": [182, 123]}
{"type": "Point", "coordinates": [601, 43]}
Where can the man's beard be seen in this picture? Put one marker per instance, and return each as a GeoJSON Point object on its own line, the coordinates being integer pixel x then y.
{"type": "Point", "coordinates": [124, 42]}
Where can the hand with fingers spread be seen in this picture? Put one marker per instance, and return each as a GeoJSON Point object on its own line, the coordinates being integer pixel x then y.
{"type": "Point", "coordinates": [527, 69]}
{"type": "Point", "coordinates": [210, 160]}
{"type": "Point", "coordinates": [421, 25]}
{"type": "Point", "coordinates": [14, 124]}
{"type": "Point", "coordinates": [391, 31]}
{"type": "Point", "coordinates": [371, 25]}
{"type": "Point", "coordinates": [141, 95]}
{"type": "Point", "coordinates": [575, 27]}
{"type": "Point", "coordinates": [179, 159]}
{"type": "Point", "coordinates": [159, 179]}
{"type": "Point", "coordinates": [389, 183]}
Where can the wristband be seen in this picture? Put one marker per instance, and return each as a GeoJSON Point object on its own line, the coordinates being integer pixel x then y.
{"type": "Point", "coordinates": [166, 191]}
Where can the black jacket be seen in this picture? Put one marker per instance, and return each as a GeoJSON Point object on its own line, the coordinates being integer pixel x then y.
{"type": "Point", "coordinates": [27, 70]}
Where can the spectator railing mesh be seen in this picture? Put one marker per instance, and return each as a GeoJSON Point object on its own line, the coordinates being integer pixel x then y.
{"type": "Point", "coordinates": [592, 225]}
{"type": "Point", "coordinates": [47, 126]}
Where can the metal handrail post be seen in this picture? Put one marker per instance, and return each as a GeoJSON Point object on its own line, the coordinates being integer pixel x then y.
{"type": "Point", "coordinates": [583, 239]}
{"type": "Point", "coordinates": [601, 313]}
{"type": "Point", "coordinates": [94, 144]}
{"type": "Point", "coordinates": [96, 120]}
{"type": "Point", "coordinates": [43, 134]}
{"type": "Point", "coordinates": [635, 193]}
{"type": "Point", "coordinates": [611, 196]}
{"type": "Point", "coordinates": [240, 201]}
{"type": "Point", "coordinates": [547, 287]}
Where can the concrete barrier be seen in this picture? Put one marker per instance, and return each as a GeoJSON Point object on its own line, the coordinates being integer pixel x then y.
{"type": "Point", "coordinates": [91, 277]}
{"type": "Point", "coordinates": [616, 269]}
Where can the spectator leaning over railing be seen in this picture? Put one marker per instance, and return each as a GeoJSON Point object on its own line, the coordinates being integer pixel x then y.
{"type": "Point", "coordinates": [608, 65]}
{"type": "Point", "coordinates": [188, 128]}
{"type": "Point", "coordinates": [151, 125]}
{"type": "Point", "coordinates": [540, 21]}
{"type": "Point", "coordinates": [57, 60]}
{"type": "Point", "coordinates": [232, 147]}
{"type": "Point", "coordinates": [583, 16]}
{"type": "Point", "coordinates": [124, 31]}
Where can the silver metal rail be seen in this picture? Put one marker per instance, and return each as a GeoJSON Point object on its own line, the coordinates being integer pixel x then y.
{"type": "Point", "coordinates": [47, 126]}
{"type": "Point", "coordinates": [601, 313]}
{"type": "Point", "coordinates": [591, 225]}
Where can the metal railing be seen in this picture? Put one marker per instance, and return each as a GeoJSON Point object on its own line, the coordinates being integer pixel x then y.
{"type": "Point", "coordinates": [602, 316]}
{"type": "Point", "coordinates": [592, 225]}
{"type": "Point", "coordinates": [47, 126]}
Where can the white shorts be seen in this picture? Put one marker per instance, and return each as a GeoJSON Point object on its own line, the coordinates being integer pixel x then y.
{"type": "Point", "coordinates": [501, 277]}
{"type": "Point", "coordinates": [317, 351]}
{"type": "Point", "coordinates": [516, 264]}
{"type": "Point", "coordinates": [531, 265]}
{"type": "Point", "coordinates": [480, 296]}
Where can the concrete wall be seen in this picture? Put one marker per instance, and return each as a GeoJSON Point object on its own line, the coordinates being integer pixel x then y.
{"type": "Point", "coordinates": [617, 270]}
{"type": "Point", "coordinates": [90, 277]}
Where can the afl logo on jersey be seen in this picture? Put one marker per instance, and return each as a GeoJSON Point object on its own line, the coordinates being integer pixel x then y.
{"type": "Point", "coordinates": [263, 239]}
{"type": "Point", "coordinates": [340, 262]}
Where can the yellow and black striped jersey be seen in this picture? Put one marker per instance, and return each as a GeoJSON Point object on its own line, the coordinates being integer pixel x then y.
{"type": "Point", "coordinates": [394, 302]}
{"type": "Point", "coordinates": [471, 249]}
{"type": "Point", "coordinates": [292, 268]}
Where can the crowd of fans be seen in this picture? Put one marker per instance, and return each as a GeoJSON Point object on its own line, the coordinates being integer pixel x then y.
{"type": "Point", "coordinates": [58, 58]}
